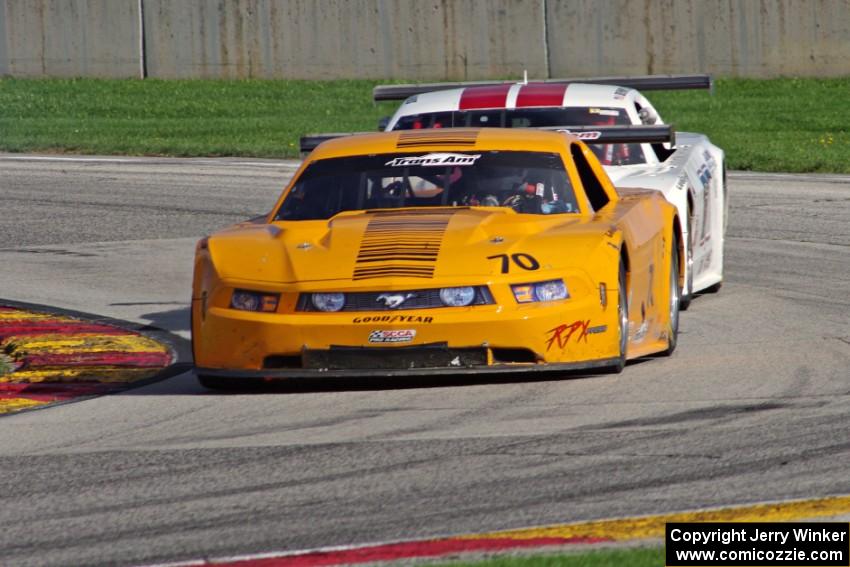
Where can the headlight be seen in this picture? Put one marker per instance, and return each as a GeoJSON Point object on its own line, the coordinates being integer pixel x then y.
{"type": "Point", "coordinates": [328, 301]}
{"type": "Point", "coordinates": [457, 296]}
{"type": "Point", "coordinates": [552, 290]}
{"type": "Point", "coordinates": [245, 300]}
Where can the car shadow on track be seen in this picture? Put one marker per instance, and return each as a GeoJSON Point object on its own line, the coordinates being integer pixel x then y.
{"type": "Point", "coordinates": [377, 383]}
{"type": "Point", "coordinates": [173, 319]}
{"type": "Point", "coordinates": [179, 380]}
{"type": "Point", "coordinates": [182, 382]}
{"type": "Point", "coordinates": [313, 385]}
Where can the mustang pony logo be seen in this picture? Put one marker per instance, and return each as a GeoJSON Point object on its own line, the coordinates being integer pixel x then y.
{"type": "Point", "coordinates": [393, 300]}
{"type": "Point", "coordinates": [434, 160]}
{"type": "Point", "coordinates": [563, 333]}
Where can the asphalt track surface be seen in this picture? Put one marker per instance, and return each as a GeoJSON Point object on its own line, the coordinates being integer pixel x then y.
{"type": "Point", "coordinates": [753, 406]}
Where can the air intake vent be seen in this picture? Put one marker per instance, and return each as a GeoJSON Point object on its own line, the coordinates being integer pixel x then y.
{"type": "Point", "coordinates": [451, 136]}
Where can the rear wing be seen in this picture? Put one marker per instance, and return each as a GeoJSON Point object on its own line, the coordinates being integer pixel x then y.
{"type": "Point", "coordinates": [309, 142]}
{"type": "Point", "coordinates": [643, 83]}
{"type": "Point", "coordinates": [635, 134]}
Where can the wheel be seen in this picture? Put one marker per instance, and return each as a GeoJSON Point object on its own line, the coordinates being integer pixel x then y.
{"type": "Point", "coordinates": [685, 298]}
{"type": "Point", "coordinates": [622, 323]}
{"type": "Point", "coordinates": [674, 302]}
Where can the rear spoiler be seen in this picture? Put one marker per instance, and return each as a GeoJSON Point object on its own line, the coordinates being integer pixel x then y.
{"type": "Point", "coordinates": [309, 142]}
{"type": "Point", "coordinates": [635, 134]}
{"type": "Point", "coordinates": [644, 83]}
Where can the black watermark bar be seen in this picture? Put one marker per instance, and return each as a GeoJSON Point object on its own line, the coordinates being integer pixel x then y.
{"type": "Point", "coordinates": [805, 544]}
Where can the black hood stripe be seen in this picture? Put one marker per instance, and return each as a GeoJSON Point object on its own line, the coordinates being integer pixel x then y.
{"type": "Point", "coordinates": [412, 138]}
{"type": "Point", "coordinates": [401, 244]}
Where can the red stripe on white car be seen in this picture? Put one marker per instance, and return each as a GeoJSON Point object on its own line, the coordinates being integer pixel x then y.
{"type": "Point", "coordinates": [541, 94]}
{"type": "Point", "coordinates": [484, 97]}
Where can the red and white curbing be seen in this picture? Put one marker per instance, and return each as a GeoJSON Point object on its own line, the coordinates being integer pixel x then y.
{"type": "Point", "coordinates": [641, 528]}
{"type": "Point", "coordinates": [46, 358]}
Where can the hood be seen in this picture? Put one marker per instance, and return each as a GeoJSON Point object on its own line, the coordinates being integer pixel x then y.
{"type": "Point", "coordinates": [422, 244]}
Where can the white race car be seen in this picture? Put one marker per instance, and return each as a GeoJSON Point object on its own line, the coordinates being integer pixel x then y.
{"type": "Point", "coordinates": [691, 174]}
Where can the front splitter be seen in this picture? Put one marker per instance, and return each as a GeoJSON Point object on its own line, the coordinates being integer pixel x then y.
{"type": "Point", "coordinates": [319, 373]}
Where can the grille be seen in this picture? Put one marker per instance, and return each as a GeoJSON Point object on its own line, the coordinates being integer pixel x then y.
{"type": "Point", "coordinates": [420, 299]}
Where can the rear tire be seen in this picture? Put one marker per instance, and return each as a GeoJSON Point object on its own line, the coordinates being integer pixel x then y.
{"type": "Point", "coordinates": [622, 323]}
{"type": "Point", "coordinates": [685, 299]}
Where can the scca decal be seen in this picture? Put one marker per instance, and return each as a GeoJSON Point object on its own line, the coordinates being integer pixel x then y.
{"type": "Point", "coordinates": [392, 336]}
{"type": "Point", "coordinates": [394, 319]}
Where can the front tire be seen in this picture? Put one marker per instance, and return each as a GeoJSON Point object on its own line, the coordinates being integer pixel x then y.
{"type": "Point", "coordinates": [673, 302]}
{"type": "Point", "coordinates": [622, 323]}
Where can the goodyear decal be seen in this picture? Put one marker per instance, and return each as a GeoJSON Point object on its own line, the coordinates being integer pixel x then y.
{"type": "Point", "coordinates": [393, 319]}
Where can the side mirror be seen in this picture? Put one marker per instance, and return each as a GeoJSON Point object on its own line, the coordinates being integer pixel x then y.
{"type": "Point", "coordinates": [383, 122]}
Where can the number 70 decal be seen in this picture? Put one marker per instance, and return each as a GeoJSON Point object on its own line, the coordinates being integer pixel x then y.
{"type": "Point", "coordinates": [525, 261]}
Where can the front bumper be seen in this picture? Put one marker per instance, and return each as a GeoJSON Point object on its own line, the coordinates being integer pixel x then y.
{"type": "Point", "coordinates": [563, 335]}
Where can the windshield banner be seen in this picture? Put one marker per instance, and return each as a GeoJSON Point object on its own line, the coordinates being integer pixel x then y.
{"type": "Point", "coordinates": [434, 160]}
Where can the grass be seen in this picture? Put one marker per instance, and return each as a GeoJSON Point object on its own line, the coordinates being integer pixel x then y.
{"type": "Point", "coordinates": [634, 557]}
{"type": "Point", "coordinates": [796, 125]}
{"type": "Point", "coordinates": [178, 118]}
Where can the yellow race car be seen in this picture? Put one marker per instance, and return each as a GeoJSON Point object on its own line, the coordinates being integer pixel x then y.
{"type": "Point", "coordinates": [440, 251]}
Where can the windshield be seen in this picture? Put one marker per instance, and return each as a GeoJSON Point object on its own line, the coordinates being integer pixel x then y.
{"type": "Point", "coordinates": [608, 154]}
{"type": "Point", "coordinates": [527, 182]}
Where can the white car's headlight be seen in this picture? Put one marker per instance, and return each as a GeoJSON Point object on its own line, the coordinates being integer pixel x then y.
{"type": "Point", "coordinates": [328, 301]}
{"type": "Point", "coordinates": [457, 296]}
{"type": "Point", "coordinates": [552, 290]}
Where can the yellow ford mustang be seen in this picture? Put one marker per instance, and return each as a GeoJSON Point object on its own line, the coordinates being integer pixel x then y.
{"type": "Point", "coordinates": [439, 251]}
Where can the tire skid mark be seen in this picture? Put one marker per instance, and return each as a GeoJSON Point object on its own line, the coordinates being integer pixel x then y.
{"type": "Point", "coordinates": [47, 358]}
